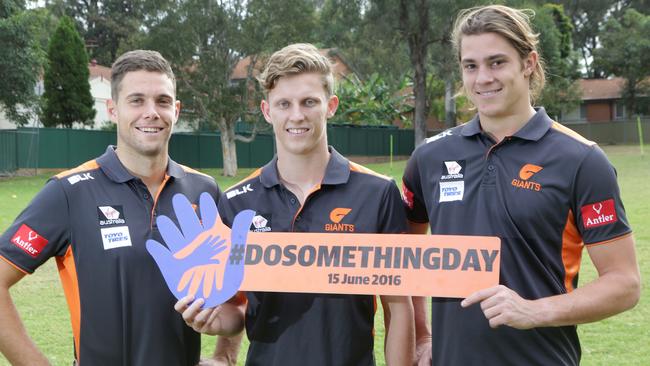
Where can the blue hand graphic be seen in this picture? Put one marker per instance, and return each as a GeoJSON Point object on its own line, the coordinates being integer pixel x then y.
{"type": "Point", "coordinates": [203, 252]}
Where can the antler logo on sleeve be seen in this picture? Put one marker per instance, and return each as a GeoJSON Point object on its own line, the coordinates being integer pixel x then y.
{"type": "Point", "coordinates": [203, 258]}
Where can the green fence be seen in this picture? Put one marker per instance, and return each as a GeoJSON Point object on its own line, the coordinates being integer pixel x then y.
{"type": "Point", "coordinates": [619, 132]}
{"type": "Point", "coordinates": [31, 148]}
{"type": "Point", "coordinates": [8, 152]}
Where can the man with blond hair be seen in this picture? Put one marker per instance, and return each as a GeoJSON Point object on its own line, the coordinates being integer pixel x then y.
{"type": "Point", "coordinates": [545, 191]}
{"type": "Point", "coordinates": [298, 191]}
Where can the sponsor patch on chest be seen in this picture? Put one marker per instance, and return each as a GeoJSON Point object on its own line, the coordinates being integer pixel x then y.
{"type": "Point", "coordinates": [452, 191]}
{"type": "Point", "coordinates": [29, 240]}
{"type": "Point", "coordinates": [110, 215]}
{"type": "Point", "coordinates": [261, 223]}
{"type": "Point", "coordinates": [116, 237]}
{"type": "Point", "coordinates": [598, 214]}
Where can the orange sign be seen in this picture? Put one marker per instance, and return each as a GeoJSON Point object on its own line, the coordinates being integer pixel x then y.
{"type": "Point", "coordinates": [373, 264]}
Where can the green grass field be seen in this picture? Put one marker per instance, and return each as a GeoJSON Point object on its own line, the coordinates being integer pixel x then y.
{"type": "Point", "coordinates": [621, 340]}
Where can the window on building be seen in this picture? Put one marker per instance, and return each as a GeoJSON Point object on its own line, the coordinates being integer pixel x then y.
{"type": "Point", "coordinates": [583, 111]}
{"type": "Point", "coordinates": [619, 110]}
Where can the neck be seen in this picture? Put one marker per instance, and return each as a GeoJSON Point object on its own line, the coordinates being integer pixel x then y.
{"type": "Point", "coordinates": [301, 173]}
{"type": "Point", "coordinates": [503, 126]}
{"type": "Point", "coordinates": [150, 169]}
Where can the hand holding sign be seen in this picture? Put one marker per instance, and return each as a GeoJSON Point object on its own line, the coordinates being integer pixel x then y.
{"type": "Point", "coordinates": [198, 252]}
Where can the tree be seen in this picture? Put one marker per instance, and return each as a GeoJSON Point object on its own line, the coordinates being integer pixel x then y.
{"type": "Point", "coordinates": [561, 91]}
{"type": "Point", "coordinates": [20, 61]}
{"type": "Point", "coordinates": [106, 24]}
{"type": "Point", "coordinates": [373, 102]}
{"type": "Point", "coordinates": [625, 52]}
{"type": "Point", "coordinates": [67, 96]}
{"type": "Point", "coordinates": [209, 38]}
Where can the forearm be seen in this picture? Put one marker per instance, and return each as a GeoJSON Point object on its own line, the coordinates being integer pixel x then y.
{"type": "Point", "coordinates": [422, 325]}
{"type": "Point", "coordinates": [15, 344]}
{"type": "Point", "coordinates": [400, 332]}
{"type": "Point", "coordinates": [606, 296]}
{"type": "Point", "coordinates": [227, 348]}
{"type": "Point", "coordinates": [231, 320]}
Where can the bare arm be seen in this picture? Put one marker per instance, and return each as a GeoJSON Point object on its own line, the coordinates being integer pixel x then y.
{"type": "Point", "coordinates": [227, 349]}
{"type": "Point", "coordinates": [616, 289]}
{"type": "Point", "coordinates": [400, 332]}
{"type": "Point", "coordinates": [15, 344]}
{"type": "Point", "coordinates": [420, 311]}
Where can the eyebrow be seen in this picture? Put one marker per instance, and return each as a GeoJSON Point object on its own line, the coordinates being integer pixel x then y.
{"type": "Point", "coordinates": [140, 95]}
{"type": "Point", "coordinates": [489, 58]}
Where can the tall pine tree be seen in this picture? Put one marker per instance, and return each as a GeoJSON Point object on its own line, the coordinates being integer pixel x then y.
{"type": "Point", "coordinates": [67, 96]}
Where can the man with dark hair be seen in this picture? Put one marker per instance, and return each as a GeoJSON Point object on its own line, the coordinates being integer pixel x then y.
{"type": "Point", "coordinates": [545, 191]}
{"type": "Point", "coordinates": [95, 220]}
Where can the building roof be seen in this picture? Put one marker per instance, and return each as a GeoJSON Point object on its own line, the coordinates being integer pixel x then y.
{"type": "Point", "coordinates": [341, 67]}
{"type": "Point", "coordinates": [599, 89]}
{"type": "Point", "coordinates": [99, 71]}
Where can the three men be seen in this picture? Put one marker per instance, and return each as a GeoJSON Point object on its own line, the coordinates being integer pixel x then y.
{"type": "Point", "coordinates": [298, 191]}
{"type": "Point", "coordinates": [95, 220]}
{"type": "Point", "coordinates": [544, 190]}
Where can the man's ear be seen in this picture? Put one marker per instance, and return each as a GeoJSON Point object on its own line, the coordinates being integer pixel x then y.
{"type": "Point", "coordinates": [530, 63]}
{"type": "Point", "coordinates": [332, 106]}
{"type": "Point", "coordinates": [111, 108]}
{"type": "Point", "coordinates": [177, 109]}
{"type": "Point", "coordinates": [266, 109]}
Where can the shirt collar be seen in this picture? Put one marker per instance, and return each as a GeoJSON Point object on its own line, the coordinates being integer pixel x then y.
{"type": "Point", "coordinates": [111, 165]}
{"type": "Point", "coordinates": [533, 130]}
{"type": "Point", "coordinates": [336, 172]}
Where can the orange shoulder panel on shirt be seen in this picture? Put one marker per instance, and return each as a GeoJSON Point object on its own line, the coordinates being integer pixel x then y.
{"type": "Point", "coordinates": [70, 283]}
{"type": "Point", "coordinates": [571, 251]}
{"type": "Point", "coordinates": [193, 171]}
{"type": "Point", "coordinates": [571, 133]}
{"type": "Point", "coordinates": [89, 165]}
{"type": "Point", "coordinates": [254, 174]}
{"type": "Point", "coordinates": [362, 169]}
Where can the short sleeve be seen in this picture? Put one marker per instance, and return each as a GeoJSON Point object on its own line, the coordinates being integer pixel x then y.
{"type": "Point", "coordinates": [392, 216]}
{"type": "Point", "coordinates": [600, 215]}
{"type": "Point", "coordinates": [415, 207]}
{"type": "Point", "coordinates": [40, 231]}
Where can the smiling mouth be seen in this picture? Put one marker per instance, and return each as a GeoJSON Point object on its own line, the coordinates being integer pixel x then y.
{"type": "Point", "coordinates": [297, 131]}
{"type": "Point", "coordinates": [488, 93]}
{"type": "Point", "coordinates": [149, 129]}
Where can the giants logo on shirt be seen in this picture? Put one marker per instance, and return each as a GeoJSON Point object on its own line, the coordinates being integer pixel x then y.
{"type": "Point", "coordinates": [337, 216]}
{"type": "Point", "coordinates": [598, 214]}
{"type": "Point", "coordinates": [29, 240]}
{"type": "Point", "coordinates": [525, 173]}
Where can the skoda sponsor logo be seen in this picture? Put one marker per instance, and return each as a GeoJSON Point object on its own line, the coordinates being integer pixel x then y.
{"type": "Point", "coordinates": [110, 215]}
